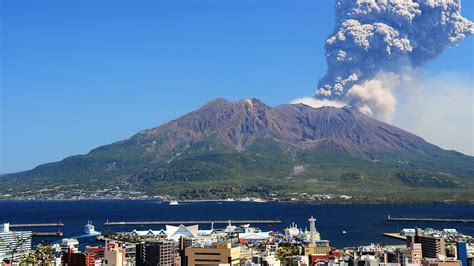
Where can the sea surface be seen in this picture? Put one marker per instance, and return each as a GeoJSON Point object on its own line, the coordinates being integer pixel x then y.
{"type": "Point", "coordinates": [364, 224]}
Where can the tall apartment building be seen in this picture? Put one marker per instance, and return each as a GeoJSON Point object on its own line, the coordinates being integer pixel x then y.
{"type": "Point", "coordinates": [431, 247]}
{"type": "Point", "coordinates": [411, 255]}
{"type": "Point", "coordinates": [461, 249]}
{"type": "Point", "coordinates": [13, 243]}
{"type": "Point", "coordinates": [114, 255]}
{"type": "Point", "coordinates": [94, 255]}
{"type": "Point", "coordinates": [218, 253]}
{"type": "Point", "coordinates": [154, 253]}
{"type": "Point", "coordinates": [416, 253]}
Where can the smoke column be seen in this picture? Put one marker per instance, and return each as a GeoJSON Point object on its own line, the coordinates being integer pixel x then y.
{"type": "Point", "coordinates": [377, 43]}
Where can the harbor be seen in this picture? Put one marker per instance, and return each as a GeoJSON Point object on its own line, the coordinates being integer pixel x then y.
{"type": "Point", "coordinates": [48, 234]}
{"type": "Point", "coordinates": [58, 233]}
{"type": "Point", "coordinates": [395, 236]}
{"type": "Point", "coordinates": [30, 225]}
{"type": "Point", "coordinates": [421, 219]}
{"type": "Point", "coordinates": [290, 227]}
{"type": "Point", "coordinates": [108, 223]}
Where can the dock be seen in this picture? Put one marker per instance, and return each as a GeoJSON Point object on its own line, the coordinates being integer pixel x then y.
{"type": "Point", "coordinates": [37, 225]}
{"type": "Point", "coordinates": [48, 234]}
{"type": "Point", "coordinates": [395, 235]}
{"type": "Point", "coordinates": [415, 219]}
{"type": "Point", "coordinates": [192, 222]}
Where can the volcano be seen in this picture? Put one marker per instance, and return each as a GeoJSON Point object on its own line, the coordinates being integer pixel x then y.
{"type": "Point", "coordinates": [241, 148]}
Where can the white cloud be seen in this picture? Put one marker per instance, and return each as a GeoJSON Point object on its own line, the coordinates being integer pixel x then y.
{"type": "Point", "coordinates": [375, 97]}
{"type": "Point", "coordinates": [440, 109]}
{"type": "Point", "coordinates": [317, 103]}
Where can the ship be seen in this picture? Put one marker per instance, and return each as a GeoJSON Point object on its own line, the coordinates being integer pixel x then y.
{"type": "Point", "coordinates": [89, 229]}
{"type": "Point", "coordinates": [174, 202]}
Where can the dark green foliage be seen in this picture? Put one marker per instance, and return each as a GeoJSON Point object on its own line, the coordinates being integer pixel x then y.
{"type": "Point", "coordinates": [424, 179]}
{"type": "Point", "coordinates": [212, 169]}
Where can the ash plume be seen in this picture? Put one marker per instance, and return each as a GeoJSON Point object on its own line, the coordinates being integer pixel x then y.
{"type": "Point", "coordinates": [377, 42]}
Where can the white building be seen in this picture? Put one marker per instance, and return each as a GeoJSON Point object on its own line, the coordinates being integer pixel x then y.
{"type": "Point", "coordinates": [271, 259]}
{"type": "Point", "coordinates": [159, 234]}
{"type": "Point", "coordinates": [261, 236]}
{"type": "Point", "coordinates": [176, 232]}
{"type": "Point", "coordinates": [13, 243]}
{"type": "Point", "coordinates": [293, 231]}
{"type": "Point", "coordinates": [302, 260]}
{"type": "Point", "coordinates": [69, 244]}
{"type": "Point", "coordinates": [408, 232]}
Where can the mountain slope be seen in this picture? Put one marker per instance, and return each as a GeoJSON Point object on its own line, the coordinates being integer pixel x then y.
{"type": "Point", "coordinates": [249, 148]}
{"type": "Point", "coordinates": [239, 124]}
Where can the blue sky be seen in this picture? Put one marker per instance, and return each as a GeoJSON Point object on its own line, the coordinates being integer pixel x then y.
{"type": "Point", "coordinates": [79, 74]}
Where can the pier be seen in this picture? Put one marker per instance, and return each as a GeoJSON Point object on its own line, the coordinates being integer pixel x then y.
{"type": "Point", "coordinates": [395, 235]}
{"type": "Point", "coordinates": [37, 225]}
{"type": "Point", "coordinates": [48, 234]}
{"type": "Point", "coordinates": [414, 219]}
{"type": "Point", "coordinates": [193, 222]}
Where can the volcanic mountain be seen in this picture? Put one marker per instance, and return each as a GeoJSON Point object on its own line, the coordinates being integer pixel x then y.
{"type": "Point", "coordinates": [248, 148]}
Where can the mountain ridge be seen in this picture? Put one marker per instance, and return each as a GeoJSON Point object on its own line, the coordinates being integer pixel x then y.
{"type": "Point", "coordinates": [260, 120]}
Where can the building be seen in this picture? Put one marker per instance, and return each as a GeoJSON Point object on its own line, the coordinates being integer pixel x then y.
{"type": "Point", "coordinates": [408, 232]}
{"type": "Point", "coordinates": [416, 253]}
{"type": "Point", "coordinates": [73, 259]}
{"type": "Point", "coordinates": [320, 247]}
{"type": "Point", "coordinates": [200, 241]}
{"type": "Point", "coordinates": [431, 246]}
{"type": "Point", "coordinates": [57, 254]}
{"type": "Point", "coordinates": [405, 256]}
{"type": "Point", "coordinates": [218, 253]}
{"type": "Point", "coordinates": [461, 250]}
{"type": "Point", "coordinates": [155, 253]}
{"type": "Point", "coordinates": [94, 255]}
{"type": "Point", "coordinates": [301, 260]}
{"type": "Point", "coordinates": [176, 232]}
{"type": "Point", "coordinates": [312, 235]}
{"type": "Point", "coordinates": [412, 255]}
{"type": "Point", "coordinates": [293, 231]}
{"type": "Point", "coordinates": [270, 259]}
{"type": "Point", "coordinates": [250, 237]}
{"type": "Point", "coordinates": [436, 262]}
{"type": "Point", "coordinates": [150, 234]}
{"type": "Point", "coordinates": [114, 255]}
{"type": "Point", "coordinates": [69, 244]}
{"type": "Point", "coordinates": [13, 243]}
{"type": "Point", "coordinates": [194, 241]}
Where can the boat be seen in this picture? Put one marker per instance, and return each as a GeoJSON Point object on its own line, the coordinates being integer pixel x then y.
{"type": "Point", "coordinates": [259, 200]}
{"type": "Point", "coordinates": [344, 232]}
{"type": "Point", "coordinates": [230, 228]}
{"type": "Point", "coordinates": [174, 202]}
{"type": "Point", "coordinates": [89, 229]}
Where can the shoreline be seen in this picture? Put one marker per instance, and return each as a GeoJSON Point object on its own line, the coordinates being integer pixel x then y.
{"type": "Point", "coordinates": [164, 201]}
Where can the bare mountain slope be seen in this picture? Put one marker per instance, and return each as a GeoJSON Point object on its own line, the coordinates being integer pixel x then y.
{"type": "Point", "coordinates": [239, 124]}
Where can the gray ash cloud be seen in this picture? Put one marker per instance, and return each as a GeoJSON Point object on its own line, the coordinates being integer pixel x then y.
{"type": "Point", "coordinates": [374, 36]}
